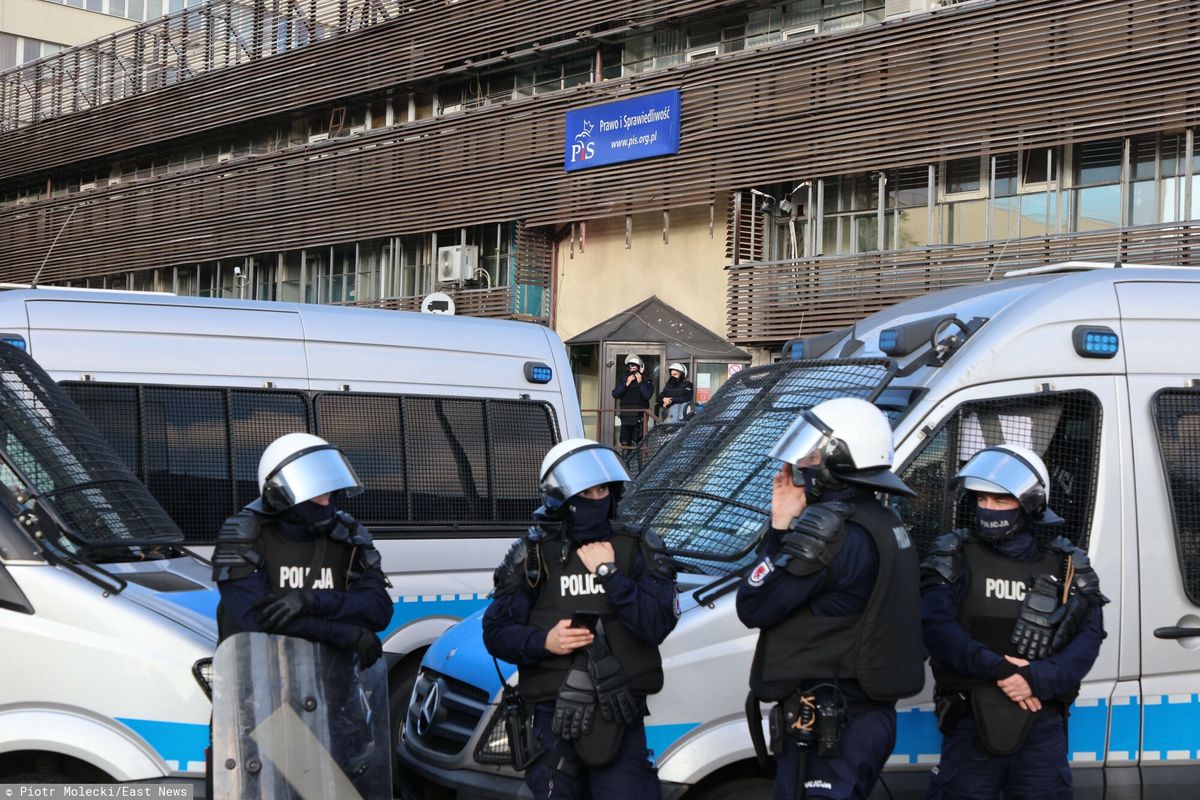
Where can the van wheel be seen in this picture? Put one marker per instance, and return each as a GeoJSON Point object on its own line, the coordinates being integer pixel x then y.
{"type": "Point", "coordinates": [397, 709]}
{"type": "Point", "coordinates": [740, 789]}
{"type": "Point", "coordinates": [40, 777]}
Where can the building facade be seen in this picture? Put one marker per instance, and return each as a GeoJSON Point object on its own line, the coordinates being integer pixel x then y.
{"type": "Point", "coordinates": [834, 156]}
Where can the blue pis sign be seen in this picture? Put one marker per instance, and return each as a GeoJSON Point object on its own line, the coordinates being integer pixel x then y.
{"type": "Point", "coordinates": [627, 130]}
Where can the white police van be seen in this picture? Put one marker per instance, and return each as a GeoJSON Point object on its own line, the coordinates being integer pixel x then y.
{"type": "Point", "coordinates": [1093, 367]}
{"type": "Point", "coordinates": [106, 622]}
{"type": "Point", "coordinates": [445, 419]}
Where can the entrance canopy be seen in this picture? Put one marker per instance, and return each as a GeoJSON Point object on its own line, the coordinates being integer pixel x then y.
{"type": "Point", "coordinates": [652, 320]}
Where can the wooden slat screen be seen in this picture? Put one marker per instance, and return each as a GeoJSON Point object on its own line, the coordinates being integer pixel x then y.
{"type": "Point", "coordinates": [769, 303]}
{"type": "Point", "coordinates": [993, 77]}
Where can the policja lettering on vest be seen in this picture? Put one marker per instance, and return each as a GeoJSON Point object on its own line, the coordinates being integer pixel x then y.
{"type": "Point", "coordinates": [1012, 629]}
{"type": "Point", "coordinates": [585, 689]}
{"type": "Point", "coordinates": [836, 600]}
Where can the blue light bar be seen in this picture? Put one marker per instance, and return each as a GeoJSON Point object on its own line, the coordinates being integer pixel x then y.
{"type": "Point", "coordinates": [797, 350]}
{"type": "Point", "coordinates": [1095, 341]}
{"type": "Point", "coordinates": [888, 339]}
{"type": "Point", "coordinates": [537, 372]}
{"type": "Point", "coordinates": [14, 340]}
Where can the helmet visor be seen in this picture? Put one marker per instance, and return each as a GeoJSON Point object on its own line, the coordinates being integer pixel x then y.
{"type": "Point", "coordinates": [998, 471]}
{"type": "Point", "coordinates": [583, 469]}
{"type": "Point", "coordinates": [315, 473]}
{"type": "Point", "coordinates": [806, 435]}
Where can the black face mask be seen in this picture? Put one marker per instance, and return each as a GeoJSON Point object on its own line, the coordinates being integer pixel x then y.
{"type": "Point", "coordinates": [590, 518]}
{"type": "Point", "coordinates": [315, 518]}
{"type": "Point", "coordinates": [993, 525]}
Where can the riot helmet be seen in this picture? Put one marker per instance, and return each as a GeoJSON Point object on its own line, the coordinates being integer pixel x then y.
{"type": "Point", "coordinates": [299, 466]}
{"type": "Point", "coordinates": [574, 465]}
{"type": "Point", "coordinates": [636, 360]}
{"type": "Point", "coordinates": [680, 367]}
{"type": "Point", "coordinates": [1012, 470]}
{"type": "Point", "coordinates": [854, 440]}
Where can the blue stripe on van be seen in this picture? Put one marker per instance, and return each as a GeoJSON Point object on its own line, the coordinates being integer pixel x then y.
{"type": "Point", "coordinates": [178, 742]}
{"type": "Point", "coordinates": [1125, 729]}
{"type": "Point", "coordinates": [406, 611]}
{"type": "Point", "coordinates": [1172, 728]}
{"type": "Point", "coordinates": [202, 601]}
{"type": "Point", "coordinates": [660, 737]}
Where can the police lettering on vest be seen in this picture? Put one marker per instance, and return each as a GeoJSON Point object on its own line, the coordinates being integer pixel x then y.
{"type": "Point", "coordinates": [578, 585]}
{"type": "Point", "coordinates": [297, 578]}
{"type": "Point", "coordinates": [1004, 589]}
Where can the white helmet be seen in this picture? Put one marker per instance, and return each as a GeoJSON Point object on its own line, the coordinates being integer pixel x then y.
{"type": "Point", "coordinates": [634, 358]}
{"type": "Point", "coordinates": [1013, 470]}
{"type": "Point", "coordinates": [574, 465]}
{"type": "Point", "coordinates": [298, 467]}
{"type": "Point", "coordinates": [854, 439]}
{"type": "Point", "coordinates": [678, 365]}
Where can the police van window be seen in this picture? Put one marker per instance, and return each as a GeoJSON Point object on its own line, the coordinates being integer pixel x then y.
{"type": "Point", "coordinates": [440, 461]}
{"type": "Point", "coordinates": [1062, 427]}
{"type": "Point", "coordinates": [1177, 420]}
{"type": "Point", "coordinates": [196, 449]}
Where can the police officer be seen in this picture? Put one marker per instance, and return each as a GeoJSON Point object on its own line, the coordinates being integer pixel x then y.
{"type": "Point", "coordinates": [836, 599]}
{"type": "Point", "coordinates": [677, 392]}
{"type": "Point", "coordinates": [580, 607]}
{"type": "Point", "coordinates": [1012, 628]}
{"type": "Point", "coordinates": [291, 563]}
{"type": "Point", "coordinates": [633, 396]}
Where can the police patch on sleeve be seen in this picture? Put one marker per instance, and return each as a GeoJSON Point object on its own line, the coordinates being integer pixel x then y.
{"type": "Point", "coordinates": [902, 540]}
{"type": "Point", "coordinates": [761, 572]}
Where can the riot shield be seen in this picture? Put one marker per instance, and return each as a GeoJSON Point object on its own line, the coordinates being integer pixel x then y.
{"type": "Point", "coordinates": [295, 719]}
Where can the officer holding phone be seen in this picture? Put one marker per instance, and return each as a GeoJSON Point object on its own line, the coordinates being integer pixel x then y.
{"type": "Point", "coordinates": [581, 606]}
{"type": "Point", "coordinates": [836, 599]}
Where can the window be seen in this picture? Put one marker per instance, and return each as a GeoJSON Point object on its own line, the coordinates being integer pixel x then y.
{"type": "Point", "coordinates": [1177, 420]}
{"type": "Point", "coordinates": [1063, 428]}
{"type": "Point", "coordinates": [440, 460]}
{"type": "Point", "coordinates": [196, 449]}
{"type": "Point", "coordinates": [965, 176]}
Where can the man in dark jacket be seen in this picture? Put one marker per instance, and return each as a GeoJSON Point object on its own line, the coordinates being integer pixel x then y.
{"type": "Point", "coordinates": [1012, 629]}
{"type": "Point", "coordinates": [580, 607]}
{"type": "Point", "coordinates": [836, 599]}
{"type": "Point", "coordinates": [677, 392]}
{"type": "Point", "coordinates": [633, 399]}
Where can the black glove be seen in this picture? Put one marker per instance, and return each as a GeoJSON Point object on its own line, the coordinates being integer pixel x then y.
{"type": "Point", "coordinates": [612, 687]}
{"type": "Point", "coordinates": [1039, 618]}
{"type": "Point", "coordinates": [368, 647]}
{"type": "Point", "coordinates": [576, 706]}
{"type": "Point", "coordinates": [275, 611]}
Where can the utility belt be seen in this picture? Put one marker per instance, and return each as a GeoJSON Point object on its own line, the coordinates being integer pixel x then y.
{"type": "Point", "coordinates": [1003, 724]}
{"type": "Point", "coordinates": [805, 719]}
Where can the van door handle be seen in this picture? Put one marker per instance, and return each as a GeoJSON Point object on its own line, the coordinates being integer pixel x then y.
{"type": "Point", "coordinates": [1175, 632]}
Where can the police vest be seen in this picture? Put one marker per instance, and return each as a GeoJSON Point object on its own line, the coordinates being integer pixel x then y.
{"type": "Point", "coordinates": [880, 648]}
{"type": "Point", "coordinates": [996, 586]}
{"type": "Point", "coordinates": [567, 588]}
{"type": "Point", "coordinates": [289, 566]}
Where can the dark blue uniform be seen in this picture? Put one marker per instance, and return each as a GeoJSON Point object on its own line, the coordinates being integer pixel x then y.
{"type": "Point", "coordinates": [645, 603]}
{"type": "Point", "coordinates": [336, 618]}
{"type": "Point", "coordinates": [1039, 768]}
{"type": "Point", "coordinates": [633, 398]}
{"type": "Point", "coordinates": [770, 596]}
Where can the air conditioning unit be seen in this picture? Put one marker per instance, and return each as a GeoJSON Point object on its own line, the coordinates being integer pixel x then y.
{"type": "Point", "coordinates": [318, 137]}
{"type": "Point", "coordinates": [704, 52]}
{"type": "Point", "coordinates": [894, 8]}
{"type": "Point", "coordinates": [457, 263]}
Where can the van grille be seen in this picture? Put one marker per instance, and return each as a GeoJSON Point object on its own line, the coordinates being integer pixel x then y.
{"type": "Point", "coordinates": [445, 723]}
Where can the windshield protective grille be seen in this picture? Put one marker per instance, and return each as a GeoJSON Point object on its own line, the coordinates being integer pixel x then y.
{"type": "Point", "coordinates": [69, 465]}
{"type": "Point", "coordinates": [708, 490]}
{"type": "Point", "coordinates": [641, 454]}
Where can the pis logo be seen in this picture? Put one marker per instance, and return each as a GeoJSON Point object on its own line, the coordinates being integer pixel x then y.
{"type": "Point", "coordinates": [583, 147]}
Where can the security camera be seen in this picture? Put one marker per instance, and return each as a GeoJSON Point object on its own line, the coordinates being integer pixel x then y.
{"type": "Point", "coordinates": [237, 272]}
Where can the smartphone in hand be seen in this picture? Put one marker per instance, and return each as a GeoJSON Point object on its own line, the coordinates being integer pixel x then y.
{"type": "Point", "coordinates": [584, 619]}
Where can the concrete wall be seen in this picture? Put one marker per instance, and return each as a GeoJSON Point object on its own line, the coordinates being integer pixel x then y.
{"type": "Point", "coordinates": [604, 278]}
{"type": "Point", "coordinates": [60, 24]}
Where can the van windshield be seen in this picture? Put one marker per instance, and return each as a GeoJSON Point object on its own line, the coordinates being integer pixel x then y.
{"type": "Point", "coordinates": [707, 490]}
{"type": "Point", "coordinates": [89, 502]}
